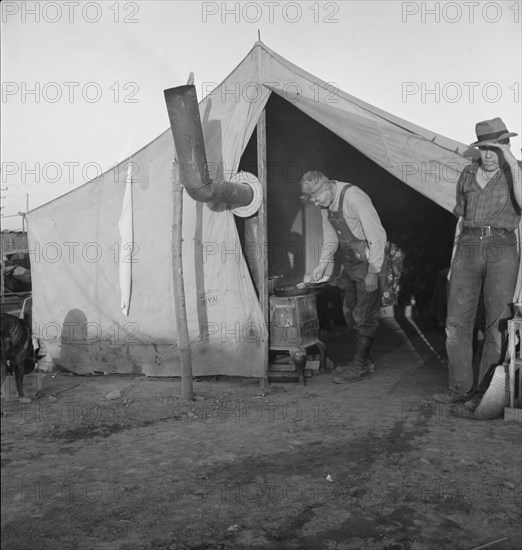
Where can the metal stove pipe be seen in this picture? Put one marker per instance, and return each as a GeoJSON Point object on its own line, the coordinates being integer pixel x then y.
{"type": "Point", "coordinates": [183, 109]}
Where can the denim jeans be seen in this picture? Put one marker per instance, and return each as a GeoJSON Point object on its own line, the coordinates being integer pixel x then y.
{"type": "Point", "coordinates": [489, 264]}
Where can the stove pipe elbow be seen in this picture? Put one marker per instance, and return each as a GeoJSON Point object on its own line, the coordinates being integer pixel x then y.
{"type": "Point", "coordinates": [185, 122]}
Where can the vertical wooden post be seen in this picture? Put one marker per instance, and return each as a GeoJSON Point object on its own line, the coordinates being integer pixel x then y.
{"type": "Point", "coordinates": [256, 235]}
{"type": "Point", "coordinates": [179, 288]}
{"type": "Point", "coordinates": [2, 287]}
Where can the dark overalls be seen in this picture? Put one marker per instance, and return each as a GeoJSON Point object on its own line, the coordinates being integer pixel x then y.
{"type": "Point", "coordinates": [363, 305]}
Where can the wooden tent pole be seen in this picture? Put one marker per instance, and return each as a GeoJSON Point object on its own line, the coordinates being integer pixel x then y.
{"type": "Point", "coordinates": [178, 286]}
{"type": "Point", "coordinates": [256, 233]}
{"type": "Point", "coordinates": [263, 235]}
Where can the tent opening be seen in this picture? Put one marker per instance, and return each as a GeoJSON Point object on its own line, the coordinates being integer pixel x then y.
{"type": "Point", "coordinates": [297, 143]}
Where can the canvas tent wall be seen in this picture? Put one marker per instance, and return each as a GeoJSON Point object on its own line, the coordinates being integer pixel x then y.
{"type": "Point", "coordinates": [75, 239]}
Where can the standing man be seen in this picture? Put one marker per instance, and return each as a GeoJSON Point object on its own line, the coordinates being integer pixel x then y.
{"type": "Point", "coordinates": [351, 222]}
{"type": "Point", "coordinates": [486, 258]}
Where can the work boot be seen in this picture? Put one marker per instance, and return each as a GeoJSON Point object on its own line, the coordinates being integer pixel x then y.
{"type": "Point", "coordinates": [355, 371]}
{"type": "Point", "coordinates": [340, 369]}
{"type": "Point", "coordinates": [369, 362]}
{"type": "Point", "coordinates": [359, 368]}
{"type": "Point", "coordinates": [448, 397]}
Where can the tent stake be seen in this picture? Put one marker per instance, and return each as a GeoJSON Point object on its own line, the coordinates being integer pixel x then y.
{"type": "Point", "coordinates": [178, 286]}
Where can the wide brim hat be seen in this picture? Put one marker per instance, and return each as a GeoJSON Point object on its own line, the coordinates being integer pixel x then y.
{"type": "Point", "coordinates": [491, 131]}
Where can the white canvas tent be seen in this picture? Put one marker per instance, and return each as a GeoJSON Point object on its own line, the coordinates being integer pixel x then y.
{"type": "Point", "coordinates": [76, 240]}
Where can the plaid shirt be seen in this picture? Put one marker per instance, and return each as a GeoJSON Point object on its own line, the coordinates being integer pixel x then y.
{"type": "Point", "coordinates": [492, 205]}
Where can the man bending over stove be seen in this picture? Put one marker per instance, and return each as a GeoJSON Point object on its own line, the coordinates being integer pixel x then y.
{"type": "Point", "coordinates": [351, 223]}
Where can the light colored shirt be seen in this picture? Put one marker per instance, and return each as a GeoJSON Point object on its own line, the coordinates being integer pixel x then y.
{"type": "Point", "coordinates": [362, 220]}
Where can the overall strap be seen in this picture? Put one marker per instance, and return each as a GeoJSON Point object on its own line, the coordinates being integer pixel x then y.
{"type": "Point", "coordinates": [338, 222]}
{"type": "Point", "coordinates": [341, 197]}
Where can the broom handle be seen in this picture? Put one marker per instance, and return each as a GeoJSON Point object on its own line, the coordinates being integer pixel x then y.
{"type": "Point", "coordinates": [512, 324]}
{"type": "Point", "coordinates": [488, 544]}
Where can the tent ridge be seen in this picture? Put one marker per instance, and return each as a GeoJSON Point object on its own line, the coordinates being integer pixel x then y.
{"type": "Point", "coordinates": [367, 107]}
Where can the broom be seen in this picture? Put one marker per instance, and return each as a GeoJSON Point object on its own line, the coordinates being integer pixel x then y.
{"type": "Point", "coordinates": [496, 397]}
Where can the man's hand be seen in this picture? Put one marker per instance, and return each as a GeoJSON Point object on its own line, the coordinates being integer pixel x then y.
{"type": "Point", "coordinates": [504, 147]}
{"type": "Point", "coordinates": [371, 282]}
{"type": "Point", "coordinates": [316, 275]}
{"type": "Point", "coordinates": [514, 166]}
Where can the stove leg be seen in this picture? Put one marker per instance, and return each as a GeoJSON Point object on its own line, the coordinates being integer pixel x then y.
{"type": "Point", "coordinates": [322, 351]}
{"type": "Point", "coordinates": [299, 359]}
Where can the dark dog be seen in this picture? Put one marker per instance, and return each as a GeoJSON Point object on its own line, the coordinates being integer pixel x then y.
{"type": "Point", "coordinates": [17, 353]}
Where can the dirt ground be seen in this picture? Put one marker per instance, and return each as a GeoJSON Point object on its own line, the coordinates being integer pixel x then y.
{"type": "Point", "coordinates": [373, 465]}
